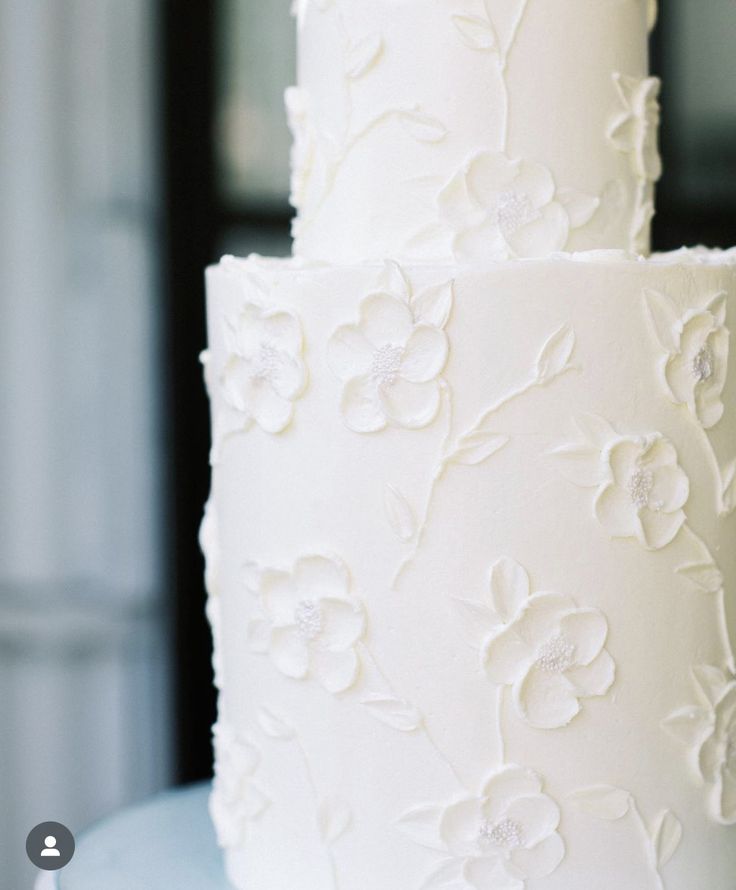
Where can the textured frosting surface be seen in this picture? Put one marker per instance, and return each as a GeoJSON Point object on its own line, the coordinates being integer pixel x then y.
{"type": "Point", "coordinates": [429, 130]}
{"type": "Point", "coordinates": [471, 572]}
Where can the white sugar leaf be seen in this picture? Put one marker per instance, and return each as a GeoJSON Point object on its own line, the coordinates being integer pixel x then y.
{"type": "Point", "coordinates": [434, 305]}
{"type": "Point", "coordinates": [363, 55]}
{"type": "Point", "coordinates": [717, 307]}
{"type": "Point", "coordinates": [579, 206]}
{"type": "Point", "coordinates": [580, 464]}
{"type": "Point", "coordinates": [422, 825]}
{"type": "Point", "coordinates": [274, 726]}
{"type": "Point", "coordinates": [712, 681]}
{"type": "Point", "coordinates": [687, 725]}
{"type": "Point", "coordinates": [422, 127]}
{"type": "Point", "coordinates": [333, 819]}
{"type": "Point", "coordinates": [394, 712]}
{"type": "Point", "coordinates": [705, 576]}
{"type": "Point", "coordinates": [666, 837]}
{"type": "Point", "coordinates": [602, 801]}
{"type": "Point", "coordinates": [394, 280]}
{"type": "Point", "coordinates": [476, 32]}
{"type": "Point", "coordinates": [594, 429]}
{"type": "Point", "coordinates": [555, 354]}
{"type": "Point", "coordinates": [479, 619]}
{"type": "Point", "coordinates": [663, 318]}
{"type": "Point", "coordinates": [729, 488]}
{"type": "Point", "coordinates": [399, 514]}
{"type": "Point", "coordinates": [473, 448]}
{"type": "Point", "coordinates": [447, 875]}
{"type": "Point", "coordinates": [509, 587]}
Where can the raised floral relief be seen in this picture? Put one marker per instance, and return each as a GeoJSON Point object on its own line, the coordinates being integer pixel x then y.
{"type": "Point", "coordinates": [392, 358]}
{"type": "Point", "coordinates": [709, 730]}
{"type": "Point", "coordinates": [311, 624]}
{"type": "Point", "coordinates": [635, 125]}
{"type": "Point", "coordinates": [264, 372]}
{"type": "Point", "coordinates": [550, 651]}
{"type": "Point", "coordinates": [298, 111]}
{"type": "Point", "coordinates": [641, 489]}
{"type": "Point", "coordinates": [209, 544]}
{"type": "Point", "coordinates": [236, 797]}
{"type": "Point", "coordinates": [496, 840]}
{"type": "Point", "coordinates": [695, 345]}
{"type": "Point", "coordinates": [499, 207]}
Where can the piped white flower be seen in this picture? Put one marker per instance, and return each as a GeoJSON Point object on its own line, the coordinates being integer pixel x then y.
{"type": "Point", "coordinates": [641, 488]}
{"type": "Point", "coordinates": [236, 798]}
{"type": "Point", "coordinates": [311, 623]}
{"type": "Point", "coordinates": [549, 650]}
{"type": "Point", "coordinates": [499, 839]}
{"type": "Point", "coordinates": [498, 207]}
{"type": "Point", "coordinates": [264, 372]}
{"type": "Point", "coordinates": [635, 126]}
{"type": "Point", "coordinates": [709, 730]}
{"type": "Point", "coordinates": [696, 347]}
{"type": "Point", "coordinates": [391, 359]}
{"type": "Point", "coordinates": [303, 150]}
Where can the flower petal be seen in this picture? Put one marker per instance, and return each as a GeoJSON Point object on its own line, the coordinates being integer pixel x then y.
{"type": "Point", "coordinates": [624, 457]}
{"type": "Point", "coordinates": [509, 783]}
{"type": "Point", "coordinates": [678, 373]}
{"type": "Point", "coordinates": [542, 859]}
{"type": "Point", "coordinates": [318, 576]}
{"type": "Point", "coordinates": [538, 816]}
{"type": "Point", "coordinates": [543, 235]}
{"type": "Point", "coordinates": [506, 656]}
{"type": "Point", "coordinates": [385, 320]}
{"type": "Point", "coordinates": [279, 595]}
{"type": "Point", "coordinates": [670, 489]}
{"type": "Point", "coordinates": [710, 758]}
{"type": "Point", "coordinates": [546, 700]}
{"type": "Point", "coordinates": [454, 203]}
{"type": "Point", "coordinates": [271, 412]}
{"type": "Point", "coordinates": [410, 405]}
{"type": "Point", "coordinates": [336, 671]}
{"type": "Point", "coordinates": [587, 630]}
{"type": "Point", "coordinates": [460, 825]}
{"type": "Point", "coordinates": [425, 354]}
{"type": "Point", "coordinates": [616, 512]}
{"type": "Point", "coordinates": [289, 652]}
{"type": "Point", "coordinates": [595, 678]}
{"type": "Point", "coordinates": [540, 618]}
{"type": "Point", "coordinates": [343, 624]}
{"type": "Point", "coordinates": [489, 174]}
{"type": "Point", "coordinates": [660, 452]}
{"type": "Point", "coordinates": [728, 798]}
{"type": "Point", "coordinates": [659, 529]}
{"type": "Point", "coordinates": [288, 375]}
{"type": "Point", "coordinates": [349, 354]}
{"type": "Point", "coordinates": [282, 329]}
{"type": "Point", "coordinates": [360, 406]}
{"type": "Point", "coordinates": [536, 182]}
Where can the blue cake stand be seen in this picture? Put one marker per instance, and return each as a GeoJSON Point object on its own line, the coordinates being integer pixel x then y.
{"type": "Point", "coordinates": [167, 842]}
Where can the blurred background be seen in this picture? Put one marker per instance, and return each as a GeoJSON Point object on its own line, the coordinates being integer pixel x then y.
{"type": "Point", "coordinates": [139, 141]}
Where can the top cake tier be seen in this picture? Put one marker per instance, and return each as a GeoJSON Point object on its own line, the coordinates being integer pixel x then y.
{"type": "Point", "coordinates": [465, 130]}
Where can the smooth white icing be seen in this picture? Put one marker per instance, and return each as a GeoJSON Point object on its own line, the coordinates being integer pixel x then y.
{"type": "Point", "coordinates": [418, 123]}
{"type": "Point", "coordinates": [474, 588]}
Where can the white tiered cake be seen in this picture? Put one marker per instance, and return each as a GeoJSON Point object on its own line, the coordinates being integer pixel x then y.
{"type": "Point", "coordinates": [470, 544]}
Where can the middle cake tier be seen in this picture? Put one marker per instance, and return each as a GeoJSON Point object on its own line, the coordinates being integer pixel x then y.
{"type": "Point", "coordinates": [466, 521]}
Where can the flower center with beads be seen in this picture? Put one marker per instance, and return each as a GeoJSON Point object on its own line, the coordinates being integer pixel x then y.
{"type": "Point", "coordinates": [513, 211]}
{"type": "Point", "coordinates": [386, 364]}
{"type": "Point", "coordinates": [308, 619]}
{"type": "Point", "coordinates": [264, 362]}
{"type": "Point", "coordinates": [703, 365]}
{"type": "Point", "coordinates": [557, 655]}
{"type": "Point", "coordinates": [506, 834]}
{"type": "Point", "coordinates": [641, 484]}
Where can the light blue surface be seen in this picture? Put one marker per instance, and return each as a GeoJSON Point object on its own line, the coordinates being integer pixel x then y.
{"type": "Point", "coordinates": [167, 843]}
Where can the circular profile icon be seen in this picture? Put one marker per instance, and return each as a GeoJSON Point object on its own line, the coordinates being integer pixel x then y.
{"type": "Point", "coordinates": [50, 846]}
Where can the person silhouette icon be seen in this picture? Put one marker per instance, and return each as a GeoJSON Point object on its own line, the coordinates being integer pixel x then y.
{"type": "Point", "coordinates": [50, 846]}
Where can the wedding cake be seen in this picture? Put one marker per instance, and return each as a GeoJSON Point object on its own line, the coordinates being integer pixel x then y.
{"type": "Point", "coordinates": [470, 543]}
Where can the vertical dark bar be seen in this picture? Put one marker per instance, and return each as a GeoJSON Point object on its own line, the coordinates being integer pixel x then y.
{"type": "Point", "coordinates": [188, 169]}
